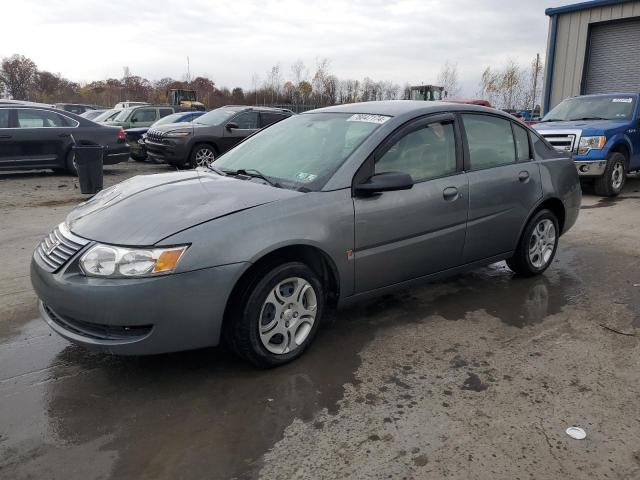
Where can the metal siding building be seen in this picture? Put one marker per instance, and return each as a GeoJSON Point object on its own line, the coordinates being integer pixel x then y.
{"type": "Point", "coordinates": [592, 47]}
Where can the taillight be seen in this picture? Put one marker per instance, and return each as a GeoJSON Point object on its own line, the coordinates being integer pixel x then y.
{"type": "Point", "coordinates": [121, 134]}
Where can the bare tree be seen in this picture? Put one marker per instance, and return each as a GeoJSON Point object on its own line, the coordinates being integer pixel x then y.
{"type": "Point", "coordinates": [448, 78]}
{"type": "Point", "coordinates": [18, 74]}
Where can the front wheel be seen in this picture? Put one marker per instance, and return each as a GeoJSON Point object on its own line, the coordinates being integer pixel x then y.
{"type": "Point", "coordinates": [202, 155]}
{"type": "Point", "coordinates": [537, 246]}
{"type": "Point", "coordinates": [278, 316]}
{"type": "Point", "coordinates": [611, 183]}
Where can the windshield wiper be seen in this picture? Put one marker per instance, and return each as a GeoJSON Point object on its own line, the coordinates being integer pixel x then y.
{"type": "Point", "coordinates": [553, 120]}
{"type": "Point", "coordinates": [588, 118]}
{"type": "Point", "coordinates": [217, 170]}
{"type": "Point", "coordinates": [252, 172]}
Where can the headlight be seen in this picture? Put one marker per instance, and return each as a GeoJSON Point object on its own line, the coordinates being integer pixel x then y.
{"type": "Point", "coordinates": [110, 261]}
{"type": "Point", "coordinates": [591, 143]}
{"type": "Point", "coordinates": [178, 133]}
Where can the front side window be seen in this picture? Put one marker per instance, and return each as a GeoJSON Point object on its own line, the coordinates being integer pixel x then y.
{"type": "Point", "coordinates": [522, 143]}
{"type": "Point", "coordinates": [165, 111]}
{"type": "Point", "coordinates": [4, 118]}
{"type": "Point", "coordinates": [246, 120]}
{"type": "Point", "coordinates": [302, 151]}
{"type": "Point", "coordinates": [39, 119]}
{"type": "Point", "coordinates": [268, 118]}
{"type": "Point", "coordinates": [490, 141]}
{"type": "Point", "coordinates": [144, 115]}
{"type": "Point", "coordinates": [428, 152]}
{"type": "Point", "coordinates": [123, 115]}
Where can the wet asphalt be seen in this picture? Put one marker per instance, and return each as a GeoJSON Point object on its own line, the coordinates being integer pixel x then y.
{"type": "Point", "coordinates": [417, 361]}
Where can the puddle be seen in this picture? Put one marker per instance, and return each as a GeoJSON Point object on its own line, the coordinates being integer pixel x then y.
{"type": "Point", "coordinates": [607, 202]}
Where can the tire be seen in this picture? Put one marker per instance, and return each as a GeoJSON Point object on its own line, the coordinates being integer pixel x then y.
{"type": "Point", "coordinates": [202, 155]}
{"type": "Point", "coordinates": [528, 261]}
{"type": "Point", "coordinates": [268, 326]}
{"type": "Point", "coordinates": [138, 158]}
{"type": "Point", "coordinates": [71, 164]}
{"type": "Point", "coordinates": [612, 182]}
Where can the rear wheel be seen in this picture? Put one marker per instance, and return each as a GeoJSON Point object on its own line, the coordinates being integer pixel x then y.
{"type": "Point", "coordinates": [202, 155]}
{"type": "Point", "coordinates": [71, 163]}
{"type": "Point", "coordinates": [278, 316]}
{"type": "Point", "coordinates": [537, 246]}
{"type": "Point", "coordinates": [138, 157]}
{"type": "Point", "coordinates": [612, 182]}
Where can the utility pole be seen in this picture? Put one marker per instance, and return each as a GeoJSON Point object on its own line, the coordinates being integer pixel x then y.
{"type": "Point", "coordinates": [188, 70]}
{"type": "Point", "coordinates": [535, 83]}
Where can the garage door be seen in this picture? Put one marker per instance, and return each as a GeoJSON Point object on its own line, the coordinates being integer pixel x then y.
{"type": "Point", "coordinates": [614, 58]}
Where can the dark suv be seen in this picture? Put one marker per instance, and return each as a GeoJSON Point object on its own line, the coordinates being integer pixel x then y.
{"type": "Point", "coordinates": [200, 142]}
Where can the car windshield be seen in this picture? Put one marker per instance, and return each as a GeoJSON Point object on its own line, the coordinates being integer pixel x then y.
{"type": "Point", "coordinates": [216, 117]}
{"type": "Point", "coordinates": [605, 107]}
{"type": "Point", "coordinates": [303, 151]}
{"type": "Point", "coordinates": [122, 116]}
{"type": "Point", "coordinates": [105, 115]}
{"type": "Point", "coordinates": [173, 118]}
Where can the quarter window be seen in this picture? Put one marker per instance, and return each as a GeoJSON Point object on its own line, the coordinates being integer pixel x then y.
{"type": "Point", "coordinates": [39, 119]}
{"type": "Point", "coordinates": [490, 141]}
{"type": "Point", "coordinates": [428, 152]}
{"type": "Point", "coordinates": [247, 120]}
{"type": "Point", "coordinates": [522, 143]}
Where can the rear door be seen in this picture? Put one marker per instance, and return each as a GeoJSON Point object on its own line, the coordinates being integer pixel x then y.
{"type": "Point", "coordinates": [504, 184]}
{"type": "Point", "coordinates": [40, 138]}
{"type": "Point", "coordinates": [247, 123]}
{"type": "Point", "coordinates": [406, 234]}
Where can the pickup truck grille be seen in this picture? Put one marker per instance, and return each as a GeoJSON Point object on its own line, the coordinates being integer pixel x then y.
{"type": "Point", "coordinates": [58, 247]}
{"type": "Point", "coordinates": [561, 142]}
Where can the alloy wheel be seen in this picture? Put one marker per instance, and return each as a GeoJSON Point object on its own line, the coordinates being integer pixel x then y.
{"type": "Point", "coordinates": [204, 157]}
{"type": "Point", "coordinates": [617, 176]}
{"type": "Point", "coordinates": [287, 315]}
{"type": "Point", "coordinates": [542, 243]}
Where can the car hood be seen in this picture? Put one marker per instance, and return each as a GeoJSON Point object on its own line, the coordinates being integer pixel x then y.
{"type": "Point", "coordinates": [581, 125]}
{"type": "Point", "coordinates": [146, 209]}
{"type": "Point", "coordinates": [168, 127]}
{"type": "Point", "coordinates": [136, 131]}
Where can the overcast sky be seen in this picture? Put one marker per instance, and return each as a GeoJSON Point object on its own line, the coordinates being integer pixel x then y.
{"type": "Point", "coordinates": [229, 41]}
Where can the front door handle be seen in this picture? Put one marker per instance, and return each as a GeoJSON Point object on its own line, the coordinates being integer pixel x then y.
{"type": "Point", "coordinates": [450, 194]}
{"type": "Point", "coordinates": [523, 176]}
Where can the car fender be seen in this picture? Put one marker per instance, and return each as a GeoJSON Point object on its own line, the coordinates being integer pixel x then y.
{"type": "Point", "coordinates": [618, 139]}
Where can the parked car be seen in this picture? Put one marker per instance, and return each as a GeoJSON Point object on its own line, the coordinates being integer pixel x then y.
{"type": "Point", "coordinates": [77, 108]}
{"type": "Point", "coordinates": [602, 132]}
{"type": "Point", "coordinates": [92, 114]}
{"type": "Point", "coordinates": [135, 135]}
{"type": "Point", "coordinates": [140, 116]}
{"type": "Point", "coordinates": [199, 143]}
{"type": "Point", "coordinates": [41, 137]}
{"type": "Point", "coordinates": [321, 209]}
{"type": "Point", "coordinates": [106, 115]}
{"type": "Point", "coordinates": [127, 104]}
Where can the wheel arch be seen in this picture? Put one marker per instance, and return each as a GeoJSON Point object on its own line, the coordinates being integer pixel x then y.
{"type": "Point", "coordinates": [623, 147]}
{"type": "Point", "coordinates": [555, 205]}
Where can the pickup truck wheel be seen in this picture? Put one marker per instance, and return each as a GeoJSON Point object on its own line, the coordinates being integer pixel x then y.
{"type": "Point", "coordinates": [202, 155]}
{"type": "Point", "coordinates": [71, 163]}
{"type": "Point", "coordinates": [537, 246]}
{"type": "Point", "coordinates": [612, 182]}
{"type": "Point", "coordinates": [278, 316]}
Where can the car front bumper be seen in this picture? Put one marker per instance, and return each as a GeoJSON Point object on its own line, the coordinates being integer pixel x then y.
{"type": "Point", "coordinates": [182, 311]}
{"type": "Point", "coordinates": [173, 153]}
{"type": "Point", "coordinates": [591, 168]}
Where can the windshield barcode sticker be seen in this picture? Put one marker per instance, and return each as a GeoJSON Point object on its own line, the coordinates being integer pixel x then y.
{"type": "Point", "coordinates": [367, 117]}
{"type": "Point", "coordinates": [622, 100]}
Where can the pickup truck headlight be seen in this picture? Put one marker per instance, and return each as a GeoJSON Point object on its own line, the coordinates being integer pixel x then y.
{"type": "Point", "coordinates": [110, 261]}
{"type": "Point", "coordinates": [178, 133]}
{"type": "Point", "coordinates": [591, 143]}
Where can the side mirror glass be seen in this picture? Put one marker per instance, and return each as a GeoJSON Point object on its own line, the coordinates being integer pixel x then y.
{"type": "Point", "coordinates": [385, 182]}
{"type": "Point", "coordinates": [231, 125]}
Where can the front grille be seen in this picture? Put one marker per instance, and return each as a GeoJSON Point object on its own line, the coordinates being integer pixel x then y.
{"type": "Point", "coordinates": [154, 136]}
{"type": "Point", "coordinates": [561, 142]}
{"type": "Point", "coordinates": [58, 247]}
{"type": "Point", "coordinates": [99, 331]}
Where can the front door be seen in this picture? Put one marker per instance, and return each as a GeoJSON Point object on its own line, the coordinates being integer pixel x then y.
{"type": "Point", "coordinates": [246, 122]}
{"type": "Point", "coordinates": [144, 117]}
{"type": "Point", "coordinates": [406, 234]}
{"type": "Point", "coordinates": [504, 184]}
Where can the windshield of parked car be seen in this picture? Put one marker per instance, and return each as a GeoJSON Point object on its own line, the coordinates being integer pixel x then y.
{"type": "Point", "coordinates": [216, 117]}
{"type": "Point", "coordinates": [303, 151]}
{"type": "Point", "coordinates": [122, 116]}
{"type": "Point", "coordinates": [173, 118]}
{"type": "Point", "coordinates": [605, 107]}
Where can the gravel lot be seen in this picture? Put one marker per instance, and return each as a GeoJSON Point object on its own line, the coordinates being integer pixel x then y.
{"type": "Point", "coordinates": [476, 377]}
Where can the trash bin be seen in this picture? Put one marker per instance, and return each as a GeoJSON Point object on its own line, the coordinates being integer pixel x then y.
{"type": "Point", "coordinates": [88, 159]}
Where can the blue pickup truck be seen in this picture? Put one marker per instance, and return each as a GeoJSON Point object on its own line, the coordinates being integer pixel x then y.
{"type": "Point", "coordinates": [602, 132]}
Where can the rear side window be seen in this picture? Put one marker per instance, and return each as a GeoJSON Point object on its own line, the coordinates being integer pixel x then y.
{"type": "Point", "coordinates": [522, 143]}
{"type": "Point", "coordinates": [490, 141]}
{"type": "Point", "coordinates": [428, 152]}
{"type": "Point", "coordinates": [268, 118]}
{"type": "Point", "coordinates": [165, 111]}
{"type": "Point", "coordinates": [144, 115]}
{"type": "Point", "coordinates": [39, 119]}
{"type": "Point", "coordinates": [246, 120]}
{"type": "Point", "coordinates": [4, 118]}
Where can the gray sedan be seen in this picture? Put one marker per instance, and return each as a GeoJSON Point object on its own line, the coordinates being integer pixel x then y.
{"type": "Point", "coordinates": [317, 211]}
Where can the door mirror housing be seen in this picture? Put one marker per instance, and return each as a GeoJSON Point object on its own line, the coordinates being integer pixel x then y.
{"type": "Point", "coordinates": [231, 125]}
{"type": "Point", "coordinates": [385, 182]}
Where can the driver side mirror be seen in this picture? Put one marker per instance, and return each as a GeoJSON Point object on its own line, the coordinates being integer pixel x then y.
{"type": "Point", "coordinates": [231, 125]}
{"type": "Point", "coordinates": [385, 182]}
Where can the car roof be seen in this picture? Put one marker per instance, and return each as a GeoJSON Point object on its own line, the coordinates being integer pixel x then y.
{"type": "Point", "coordinates": [257, 108]}
{"type": "Point", "coordinates": [394, 108]}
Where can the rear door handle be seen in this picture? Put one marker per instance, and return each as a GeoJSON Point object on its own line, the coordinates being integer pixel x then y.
{"type": "Point", "coordinates": [450, 194]}
{"type": "Point", "coordinates": [523, 176]}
